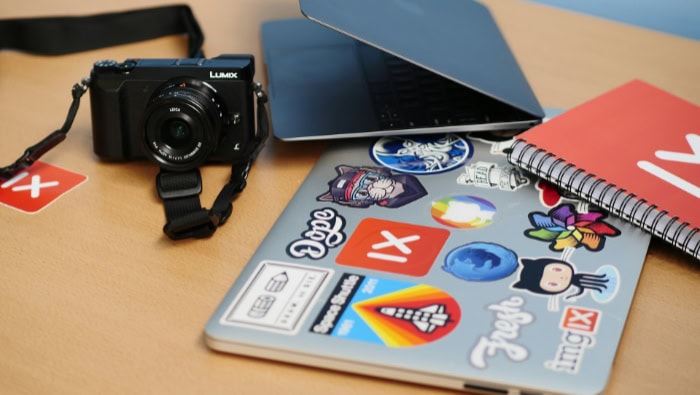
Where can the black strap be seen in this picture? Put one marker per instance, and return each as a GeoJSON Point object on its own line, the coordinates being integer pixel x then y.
{"type": "Point", "coordinates": [63, 35]}
{"type": "Point", "coordinates": [180, 191]}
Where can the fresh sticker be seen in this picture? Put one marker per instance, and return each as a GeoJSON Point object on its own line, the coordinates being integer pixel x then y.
{"type": "Point", "coordinates": [464, 212]}
{"type": "Point", "coordinates": [277, 297]}
{"type": "Point", "coordinates": [33, 189]}
{"type": "Point", "coordinates": [324, 231]}
{"type": "Point", "coordinates": [388, 312]}
{"type": "Point", "coordinates": [429, 154]}
{"type": "Point", "coordinates": [481, 261]}
{"type": "Point", "coordinates": [363, 187]}
{"type": "Point", "coordinates": [394, 247]}
{"type": "Point", "coordinates": [510, 318]}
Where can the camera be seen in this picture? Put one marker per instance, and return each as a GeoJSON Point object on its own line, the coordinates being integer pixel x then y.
{"type": "Point", "coordinates": [179, 113]}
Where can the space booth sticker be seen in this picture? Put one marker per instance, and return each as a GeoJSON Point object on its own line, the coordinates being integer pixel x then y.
{"type": "Point", "coordinates": [388, 312]}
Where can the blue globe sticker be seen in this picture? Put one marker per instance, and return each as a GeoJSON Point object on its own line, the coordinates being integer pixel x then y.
{"type": "Point", "coordinates": [480, 261]}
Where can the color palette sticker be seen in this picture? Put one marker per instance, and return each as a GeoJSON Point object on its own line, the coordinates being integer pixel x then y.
{"type": "Point", "coordinates": [464, 212]}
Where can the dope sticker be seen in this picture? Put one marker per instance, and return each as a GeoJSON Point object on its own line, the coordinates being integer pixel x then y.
{"type": "Point", "coordinates": [38, 186]}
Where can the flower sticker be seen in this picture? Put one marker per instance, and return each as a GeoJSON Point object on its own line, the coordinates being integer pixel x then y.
{"type": "Point", "coordinates": [564, 227]}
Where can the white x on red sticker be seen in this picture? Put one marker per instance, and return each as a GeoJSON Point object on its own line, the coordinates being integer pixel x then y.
{"type": "Point", "coordinates": [35, 188]}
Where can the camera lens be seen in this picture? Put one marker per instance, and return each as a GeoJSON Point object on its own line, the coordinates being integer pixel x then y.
{"type": "Point", "coordinates": [182, 124]}
{"type": "Point", "coordinates": [176, 134]}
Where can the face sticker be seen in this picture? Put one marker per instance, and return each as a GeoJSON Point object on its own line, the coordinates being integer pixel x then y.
{"type": "Point", "coordinates": [324, 231]}
{"type": "Point", "coordinates": [551, 277]}
{"type": "Point", "coordinates": [480, 261]}
{"type": "Point", "coordinates": [394, 247]}
{"type": "Point", "coordinates": [491, 175]}
{"type": "Point", "coordinates": [388, 312]}
{"type": "Point", "coordinates": [422, 154]}
{"type": "Point", "coordinates": [510, 318]}
{"type": "Point", "coordinates": [35, 188]}
{"type": "Point", "coordinates": [563, 228]}
{"type": "Point", "coordinates": [464, 212]}
{"type": "Point", "coordinates": [277, 297]}
{"type": "Point", "coordinates": [579, 326]}
{"type": "Point", "coordinates": [366, 186]}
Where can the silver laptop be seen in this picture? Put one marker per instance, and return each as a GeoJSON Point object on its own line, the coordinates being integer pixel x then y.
{"type": "Point", "coordinates": [358, 68]}
{"type": "Point", "coordinates": [431, 259]}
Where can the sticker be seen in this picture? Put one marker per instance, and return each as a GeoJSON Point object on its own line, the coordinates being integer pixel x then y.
{"type": "Point", "coordinates": [491, 175]}
{"type": "Point", "coordinates": [277, 297]}
{"type": "Point", "coordinates": [366, 186]}
{"type": "Point", "coordinates": [324, 231]}
{"type": "Point", "coordinates": [551, 195]}
{"type": "Point", "coordinates": [388, 312]}
{"type": "Point", "coordinates": [550, 277]}
{"type": "Point", "coordinates": [429, 154]}
{"type": "Point", "coordinates": [33, 189]}
{"type": "Point", "coordinates": [510, 318]}
{"type": "Point", "coordinates": [563, 227]}
{"type": "Point", "coordinates": [579, 326]}
{"type": "Point", "coordinates": [393, 247]}
{"type": "Point", "coordinates": [465, 212]}
{"type": "Point", "coordinates": [481, 261]}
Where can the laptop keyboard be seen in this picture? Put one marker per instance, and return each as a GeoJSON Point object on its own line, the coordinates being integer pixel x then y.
{"type": "Point", "coordinates": [406, 96]}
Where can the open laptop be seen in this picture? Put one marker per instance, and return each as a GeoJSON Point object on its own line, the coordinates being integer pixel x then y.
{"type": "Point", "coordinates": [430, 259]}
{"type": "Point", "coordinates": [358, 68]}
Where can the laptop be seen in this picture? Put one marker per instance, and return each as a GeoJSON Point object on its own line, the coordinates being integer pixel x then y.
{"type": "Point", "coordinates": [430, 259]}
{"type": "Point", "coordinates": [358, 68]}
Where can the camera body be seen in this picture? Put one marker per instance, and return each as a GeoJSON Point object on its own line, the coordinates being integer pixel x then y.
{"type": "Point", "coordinates": [179, 113]}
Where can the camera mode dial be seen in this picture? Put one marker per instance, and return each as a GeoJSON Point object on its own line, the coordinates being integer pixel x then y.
{"type": "Point", "coordinates": [114, 66]}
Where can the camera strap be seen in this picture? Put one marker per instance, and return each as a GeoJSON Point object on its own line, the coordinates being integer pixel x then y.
{"type": "Point", "coordinates": [180, 190]}
{"type": "Point", "coordinates": [63, 35]}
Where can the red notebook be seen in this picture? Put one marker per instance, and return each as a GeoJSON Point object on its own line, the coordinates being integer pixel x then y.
{"type": "Point", "coordinates": [634, 151]}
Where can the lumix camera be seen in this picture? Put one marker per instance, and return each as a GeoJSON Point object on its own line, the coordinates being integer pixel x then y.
{"type": "Point", "coordinates": [179, 113]}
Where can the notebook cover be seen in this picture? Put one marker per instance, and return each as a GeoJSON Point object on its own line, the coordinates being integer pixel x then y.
{"type": "Point", "coordinates": [636, 137]}
{"type": "Point", "coordinates": [433, 260]}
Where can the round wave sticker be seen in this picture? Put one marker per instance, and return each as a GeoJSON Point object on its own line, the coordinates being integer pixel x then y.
{"type": "Point", "coordinates": [465, 212]}
{"type": "Point", "coordinates": [422, 154]}
{"type": "Point", "coordinates": [481, 261]}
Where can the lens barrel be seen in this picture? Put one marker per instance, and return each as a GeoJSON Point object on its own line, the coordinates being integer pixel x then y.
{"type": "Point", "coordinates": [182, 125]}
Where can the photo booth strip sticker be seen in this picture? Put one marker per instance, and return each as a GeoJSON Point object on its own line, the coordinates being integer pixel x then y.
{"type": "Point", "coordinates": [33, 189]}
{"type": "Point", "coordinates": [277, 297]}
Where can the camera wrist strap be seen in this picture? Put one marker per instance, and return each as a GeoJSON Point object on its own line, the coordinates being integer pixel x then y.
{"type": "Point", "coordinates": [180, 190]}
{"type": "Point", "coordinates": [64, 35]}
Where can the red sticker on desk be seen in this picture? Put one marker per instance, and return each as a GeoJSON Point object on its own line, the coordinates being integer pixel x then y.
{"type": "Point", "coordinates": [38, 186]}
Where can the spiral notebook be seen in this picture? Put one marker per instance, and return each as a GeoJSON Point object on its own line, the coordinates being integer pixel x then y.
{"type": "Point", "coordinates": [634, 151]}
{"type": "Point", "coordinates": [431, 259]}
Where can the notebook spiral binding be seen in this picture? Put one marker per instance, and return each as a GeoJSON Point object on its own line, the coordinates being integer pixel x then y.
{"type": "Point", "coordinates": [608, 196]}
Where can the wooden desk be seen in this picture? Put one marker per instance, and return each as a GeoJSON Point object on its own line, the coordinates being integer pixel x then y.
{"type": "Point", "coordinates": [94, 299]}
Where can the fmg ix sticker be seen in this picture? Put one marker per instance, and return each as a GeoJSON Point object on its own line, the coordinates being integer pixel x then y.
{"type": "Point", "coordinates": [388, 312]}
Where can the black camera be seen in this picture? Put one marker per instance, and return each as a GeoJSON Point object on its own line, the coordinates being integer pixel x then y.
{"type": "Point", "coordinates": [180, 113]}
